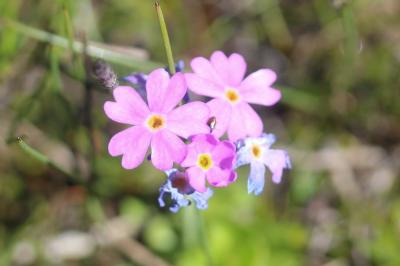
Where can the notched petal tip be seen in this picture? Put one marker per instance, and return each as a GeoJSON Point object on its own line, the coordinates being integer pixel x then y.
{"type": "Point", "coordinates": [219, 53]}
{"type": "Point", "coordinates": [128, 164]}
{"type": "Point", "coordinates": [108, 107]}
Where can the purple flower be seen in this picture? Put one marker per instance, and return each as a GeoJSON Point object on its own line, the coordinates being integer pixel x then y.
{"type": "Point", "coordinates": [157, 124]}
{"type": "Point", "coordinates": [257, 153]}
{"type": "Point", "coordinates": [221, 77]}
{"type": "Point", "coordinates": [138, 80]}
{"type": "Point", "coordinates": [181, 193]}
{"type": "Point", "coordinates": [179, 66]}
{"type": "Point", "coordinates": [210, 159]}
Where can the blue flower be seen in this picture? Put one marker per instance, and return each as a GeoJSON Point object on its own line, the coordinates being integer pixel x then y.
{"type": "Point", "coordinates": [257, 153]}
{"type": "Point", "coordinates": [181, 193]}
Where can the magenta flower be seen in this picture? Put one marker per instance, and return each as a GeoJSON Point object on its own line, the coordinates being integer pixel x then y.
{"type": "Point", "coordinates": [221, 77]}
{"type": "Point", "coordinates": [157, 125]}
{"type": "Point", "coordinates": [210, 159]}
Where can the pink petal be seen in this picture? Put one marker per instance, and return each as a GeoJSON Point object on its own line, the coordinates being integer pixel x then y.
{"type": "Point", "coordinates": [189, 119]}
{"type": "Point", "coordinates": [197, 178]}
{"type": "Point", "coordinates": [219, 178]}
{"type": "Point", "coordinates": [191, 157]}
{"type": "Point", "coordinates": [261, 78]}
{"type": "Point", "coordinates": [223, 155]}
{"type": "Point", "coordinates": [231, 69]}
{"type": "Point", "coordinates": [129, 107]}
{"type": "Point", "coordinates": [132, 144]}
{"type": "Point", "coordinates": [202, 86]}
{"type": "Point", "coordinates": [221, 110]}
{"type": "Point", "coordinates": [166, 148]}
{"type": "Point", "coordinates": [221, 65]}
{"type": "Point", "coordinates": [156, 88]}
{"type": "Point", "coordinates": [237, 69]}
{"type": "Point", "coordinates": [244, 122]}
{"type": "Point", "coordinates": [256, 88]}
{"type": "Point", "coordinates": [256, 181]}
{"type": "Point", "coordinates": [276, 161]}
{"type": "Point", "coordinates": [175, 92]}
{"type": "Point", "coordinates": [203, 143]}
{"type": "Point", "coordinates": [204, 69]}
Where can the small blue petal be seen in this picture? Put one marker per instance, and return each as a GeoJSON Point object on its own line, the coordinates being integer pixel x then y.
{"type": "Point", "coordinates": [201, 199]}
{"type": "Point", "coordinates": [288, 164]}
{"type": "Point", "coordinates": [243, 157]}
{"type": "Point", "coordinates": [174, 208]}
{"type": "Point", "coordinates": [239, 144]}
{"type": "Point", "coordinates": [170, 171]}
{"type": "Point", "coordinates": [179, 66]}
{"type": "Point", "coordinates": [178, 199]}
{"type": "Point", "coordinates": [276, 161]}
{"type": "Point", "coordinates": [255, 183]}
{"type": "Point", "coordinates": [138, 80]}
{"type": "Point", "coordinates": [161, 201]}
{"type": "Point", "coordinates": [267, 139]}
{"type": "Point", "coordinates": [181, 199]}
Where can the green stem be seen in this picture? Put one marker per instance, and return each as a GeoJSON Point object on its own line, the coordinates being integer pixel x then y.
{"type": "Point", "coordinates": [69, 29]}
{"type": "Point", "coordinates": [350, 30]}
{"type": "Point", "coordinates": [97, 50]}
{"type": "Point", "coordinates": [37, 155]}
{"type": "Point", "coordinates": [164, 33]}
{"type": "Point", "coordinates": [189, 226]}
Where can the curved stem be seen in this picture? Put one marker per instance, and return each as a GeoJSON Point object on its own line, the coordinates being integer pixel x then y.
{"type": "Point", "coordinates": [42, 158]}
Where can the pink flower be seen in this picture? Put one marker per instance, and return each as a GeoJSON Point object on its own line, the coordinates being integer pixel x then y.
{"type": "Point", "coordinates": [157, 124]}
{"type": "Point", "coordinates": [221, 77]}
{"type": "Point", "coordinates": [210, 159]}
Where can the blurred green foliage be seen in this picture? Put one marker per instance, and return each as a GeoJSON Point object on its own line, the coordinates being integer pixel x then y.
{"type": "Point", "coordinates": [338, 65]}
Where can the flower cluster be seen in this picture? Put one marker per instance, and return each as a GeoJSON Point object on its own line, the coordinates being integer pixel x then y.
{"type": "Point", "coordinates": [186, 138]}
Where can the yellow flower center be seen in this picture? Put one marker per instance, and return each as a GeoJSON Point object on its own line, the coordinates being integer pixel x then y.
{"type": "Point", "coordinates": [204, 161]}
{"type": "Point", "coordinates": [232, 95]}
{"type": "Point", "coordinates": [155, 122]}
{"type": "Point", "coordinates": [256, 151]}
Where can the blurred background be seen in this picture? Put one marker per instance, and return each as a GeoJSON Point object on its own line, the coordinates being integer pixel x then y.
{"type": "Point", "coordinates": [65, 201]}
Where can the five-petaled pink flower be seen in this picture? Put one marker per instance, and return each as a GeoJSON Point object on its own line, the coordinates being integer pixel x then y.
{"type": "Point", "coordinates": [211, 159]}
{"type": "Point", "coordinates": [157, 124]}
{"type": "Point", "coordinates": [221, 77]}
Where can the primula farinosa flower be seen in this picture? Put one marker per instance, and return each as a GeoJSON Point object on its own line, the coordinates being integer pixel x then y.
{"type": "Point", "coordinates": [138, 81]}
{"type": "Point", "coordinates": [257, 153]}
{"type": "Point", "coordinates": [181, 193]}
{"type": "Point", "coordinates": [157, 124]}
{"type": "Point", "coordinates": [221, 78]}
{"type": "Point", "coordinates": [211, 159]}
